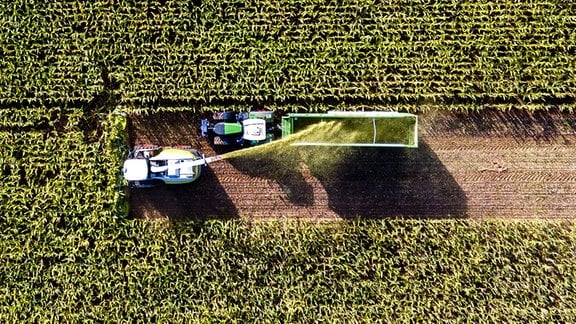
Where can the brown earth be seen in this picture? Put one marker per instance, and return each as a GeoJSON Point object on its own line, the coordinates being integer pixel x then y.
{"type": "Point", "coordinates": [493, 164]}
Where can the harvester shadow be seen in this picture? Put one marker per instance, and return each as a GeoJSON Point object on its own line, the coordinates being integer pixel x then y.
{"type": "Point", "coordinates": [202, 200]}
{"type": "Point", "coordinates": [363, 182]}
{"type": "Point", "coordinates": [281, 166]}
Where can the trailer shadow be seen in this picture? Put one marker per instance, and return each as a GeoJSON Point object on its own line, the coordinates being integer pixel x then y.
{"type": "Point", "coordinates": [404, 183]}
{"type": "Point", "coordinates": [363, 182]}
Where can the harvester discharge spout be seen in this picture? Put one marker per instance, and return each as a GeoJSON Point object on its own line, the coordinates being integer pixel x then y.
{"type": "Point", "coordinates": [206, 160]}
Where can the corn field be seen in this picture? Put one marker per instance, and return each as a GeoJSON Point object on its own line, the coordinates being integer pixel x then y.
{"type": "Point", "coordinates": [68, 254]}
{"type": "Point", "coordinates": [49, 168]}
{"type": "Point", "coordinates": [290, 52]}
{"type": "Point", "coordinates": [290, 272]}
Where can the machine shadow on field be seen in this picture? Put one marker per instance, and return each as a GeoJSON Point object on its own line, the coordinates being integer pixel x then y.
{"type": "Point", "coordinates": [363, 182]}
{"type": "Point", "coordinates": [407, 183]}
{"type": "Point", "coordinates": [348, 182]}
{"type": "Point", "coordinates": [201, 200]}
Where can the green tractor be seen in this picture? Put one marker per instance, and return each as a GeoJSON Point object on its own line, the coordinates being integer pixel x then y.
{"type": "Point", "coordinates": [241, 129]}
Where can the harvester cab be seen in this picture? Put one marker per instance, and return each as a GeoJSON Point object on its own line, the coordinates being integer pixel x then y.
{"type": "Point", "coordinates": [241, 129]}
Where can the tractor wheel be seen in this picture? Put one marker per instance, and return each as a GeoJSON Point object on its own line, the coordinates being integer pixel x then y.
{"type": "Point", "coordinates": [218, 141]}
{"type": "Point", "coordinates": [228, 116]}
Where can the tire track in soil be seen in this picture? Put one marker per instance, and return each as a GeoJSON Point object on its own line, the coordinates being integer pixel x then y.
{"type": "Point", "coordinates": [493, 164]}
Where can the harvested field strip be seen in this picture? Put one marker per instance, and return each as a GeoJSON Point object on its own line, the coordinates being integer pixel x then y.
{"type": "Point", "coordinates": [523, 176]}
{"type": "Point", "coordinates": [452, 175]}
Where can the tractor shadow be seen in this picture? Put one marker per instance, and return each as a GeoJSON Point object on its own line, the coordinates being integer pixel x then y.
{"type": "Point", "coordinates": [363, 182]}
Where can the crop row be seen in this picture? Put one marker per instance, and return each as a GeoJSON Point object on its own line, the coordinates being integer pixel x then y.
{"type": "Point", "coordinates": [294, 51]}
{"type": "Point", "coordinates": [46, 172]}
{"type": "Point", "coordinates": [287, 108]}
{"type": "Point", "coordinates": [291, 272]}
{"type": "Point", "coordinates": [51, 170]}
{"type": "Point", "coordinates": [37, 118]}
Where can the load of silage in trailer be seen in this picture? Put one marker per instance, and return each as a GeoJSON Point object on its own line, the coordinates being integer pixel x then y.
{"type": "Point", "coordinates": [383, 129]}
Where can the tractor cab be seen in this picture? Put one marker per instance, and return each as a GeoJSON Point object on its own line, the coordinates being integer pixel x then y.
{"type": "Point", "coordinates": [241, 129]}
{"type": "Point", "coordinates": [136, 169]}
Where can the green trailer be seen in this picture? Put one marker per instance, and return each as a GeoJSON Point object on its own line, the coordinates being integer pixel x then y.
{"type": "Point", "coordinates": [353, 128]}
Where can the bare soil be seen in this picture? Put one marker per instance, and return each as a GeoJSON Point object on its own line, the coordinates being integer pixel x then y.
{"type": "Point", "coordinates": [494, 164]}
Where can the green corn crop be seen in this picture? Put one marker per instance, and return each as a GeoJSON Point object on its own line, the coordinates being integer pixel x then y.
{"type": "Point", "coordinates": [291, 271]}
{"type": "Point", "coordinates": [304, 52]}
{"type": "Point", "coordinates": [67, 253]}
